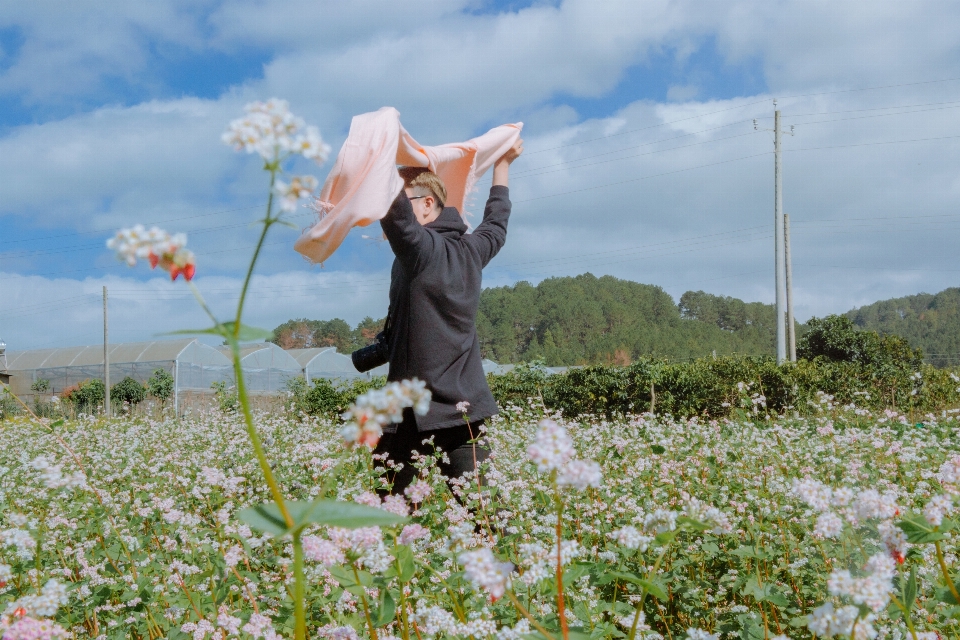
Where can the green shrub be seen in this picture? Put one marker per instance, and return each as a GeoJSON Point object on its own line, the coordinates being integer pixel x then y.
{"type": "Point", "coordinates": [160, 385]}
{"type": "Point", "coordinates": [128, 390]}
{"type": "Point", "coordinates": [837, 339]}
{"type": "Point", "coordinates": [40, 385]}
{"type": "Point", "coordinates": [87, 396]}
{"type": "Point", "coordinates": [227, 398]}
{"type": "Point", "coordinates": [732, 386]}
{"type": "Point", "coordinates": [329, 398]}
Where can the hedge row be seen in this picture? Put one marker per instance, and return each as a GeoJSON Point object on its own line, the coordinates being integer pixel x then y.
{"type": "Point", "coordinates": [723, 386]}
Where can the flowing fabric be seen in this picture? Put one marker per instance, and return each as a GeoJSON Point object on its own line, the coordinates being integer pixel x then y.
{"type": "Point", "coordinates": [364, 180]}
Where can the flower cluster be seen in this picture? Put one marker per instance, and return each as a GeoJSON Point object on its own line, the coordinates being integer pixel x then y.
{"type": "Point", "coordinates": [487, 573]}
{"type": "Point", "coordinates": [270, 130]}
{"type": "Point", "coordinates": [290, 193]}
{"type": "Point", "coordinates": [552, 450]}
{"type": "Point", "coordinates": [156, 246]}
{"type": "Point", "coordinates": [377, 408]}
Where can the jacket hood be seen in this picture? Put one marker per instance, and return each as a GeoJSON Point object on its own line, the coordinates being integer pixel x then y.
{"type": "Point", "coordinates": [448, 222]}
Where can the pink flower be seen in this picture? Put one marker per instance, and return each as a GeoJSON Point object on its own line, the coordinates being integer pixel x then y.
{"type": "Point", "coordinates": [418, 491]}
{"type": "Point", "coordinates": [485, 572]}
{"type": "Point", "coordinates": [31, 629]}
{"type": "Point", "coordinates": [413, 532]}
{"type": "Point", "coordinates": [397, 505]}
{"type": "Point", "coordinates": [316, 549]}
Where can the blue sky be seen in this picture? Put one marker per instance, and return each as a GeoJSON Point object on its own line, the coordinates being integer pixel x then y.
{"type": "Point", "coordinates": [642, 158]}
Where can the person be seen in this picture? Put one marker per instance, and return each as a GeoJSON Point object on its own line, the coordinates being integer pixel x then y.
{"type": "Point", "coordinates": [431, 323]}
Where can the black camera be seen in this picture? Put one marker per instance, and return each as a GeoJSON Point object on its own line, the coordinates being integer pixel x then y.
{"type": "Point", "coordinates": [372, 356]}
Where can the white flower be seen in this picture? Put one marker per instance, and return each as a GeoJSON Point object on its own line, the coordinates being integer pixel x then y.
{"type": "Point", "coordinates": [463, 406]}
{"type": "Point", "coordinates": [311, 146]}
{"type": "Point", "coordinates": [826, 621]}
{"type": "Point", "coordinates": [814, 493]}
{"type": "Point", "coordinates": [299, 187]}
{"type": "Point", "coordinates": [552, 446]}
{"type": "Point", "coordinates": [829, 525]}
{"type": "Point", "coordinates": [949, 474]}
{"type": "Point", "coordinates": [157, 246]}
{"type": "Point", "coordinates": [580, 474]}
{"type": "Point", "coordinates": [660, 521]}
{"type": "Point", "coordinates": [700, 634]}
{"type": "Point", "coordinates": [895, 540]}
{"type": "Point", "coordinates": [485, 572]}
{"type": "Point", "coordinates": [631, 538]}
{"type": "Point", "coordinates": [937, 508]}
{"type": "Point", "coordinates": [364, 420]}
{"type": "Point", "coordinates": [872, 590]}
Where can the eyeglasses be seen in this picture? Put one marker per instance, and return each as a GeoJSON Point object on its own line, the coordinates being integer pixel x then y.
{"type": "Point", "coordinates": [417, 197]}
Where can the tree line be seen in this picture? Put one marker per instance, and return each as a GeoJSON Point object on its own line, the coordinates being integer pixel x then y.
{"type": "Point", "coordinates": [586, 319]}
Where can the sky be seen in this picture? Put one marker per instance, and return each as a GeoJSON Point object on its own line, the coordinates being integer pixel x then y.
{"type": "Point", "coordinates": [648, 155]}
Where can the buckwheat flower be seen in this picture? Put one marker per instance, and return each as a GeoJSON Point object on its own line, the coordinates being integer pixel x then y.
{"type": "Point", "coordinates": [418, 491]}
{"type": "Point", "coordinates": [814, 493]}
{"type": "Point", "coordinates": [949, 474]}
{"type": "Point", "coordinates": [660, 521]}
{"type": "Point", "coordinates": [233, 555]}
{"type": "Point", "coordinates": [21, 540]}
{"type": "Point", "coordinates": [268, 129]}
{"type": "Point", "coordinates": [580, 474]}
{"type": "Point", "coordinates": [397, 505]}
{"type": "Point", "coordinates": [829, 525]}
{"type": "Point", "coordinates": [365, 538]}
{"type": "Point", "coordinates": [260, 626]}
{"type": "Point", "coordinates": [228, 623]}
{"type": "Point", "coordinates": [6, 574]}
{"type": "Point", "coordinates": [463, 406]}
{"type": "Point", "coordinates": [337, 633]}
{"type": "Point", "coordinates": [937, 508]}
{"type": "Point", "coordinates": [895, 540]}
{"type": "Point", "coordinates": [873, 590]}
{"type": "Point", "coordinates": [630, 538]}
{"type": "Point", "coordinates": [316, 549]}
{"type": "Point", "coordinates": [486, 573]}
{"type": "Point", "coordinates": [871, 504]}
{"type": "Point", "coordinates": [700, 634]}
{"type": "Point", "coordinates": [27, 628]}
{"type": "Point", "coordinates": [299, 187]}
{"type": "Point", "coordinates": [311, 146]}
{"type": "Point", "coordinates": [552, 447]}
{"type": "Point", "coordinates": [826, 621]}
{"type": "Point", "coordinates": [413, 532]}
{"type": "Point", "coordinates": [378, 407]}
{"type": "Point", "coordinates": [369, 499]}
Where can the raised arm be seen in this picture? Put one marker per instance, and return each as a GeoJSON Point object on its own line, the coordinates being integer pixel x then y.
{"type": "Point", "coordinates": [489, 236]}
{"type": "Point", "coordinates": [407, 237]}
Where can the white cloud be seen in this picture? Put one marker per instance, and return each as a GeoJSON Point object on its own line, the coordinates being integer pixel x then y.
{"type": "Point", "coordinates": [43, 312]}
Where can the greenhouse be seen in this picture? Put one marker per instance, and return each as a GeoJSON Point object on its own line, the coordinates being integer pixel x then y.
{"type": "Point", "coordinates": [194, 365]}
{"type": "Point", "coordinates": [327, 362]}
{"type": "Point", "coordinates": [266, 367]}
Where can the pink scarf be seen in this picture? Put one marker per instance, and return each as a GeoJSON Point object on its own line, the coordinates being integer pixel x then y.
{"type": "Point", "coordinates": [364, 181]}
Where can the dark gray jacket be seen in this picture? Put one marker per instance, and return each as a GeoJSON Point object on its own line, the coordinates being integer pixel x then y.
{"type": "Point", "coordinates": [434, 295]}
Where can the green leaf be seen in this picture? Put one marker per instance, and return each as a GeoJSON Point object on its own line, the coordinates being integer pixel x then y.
{"type": "Point", "coordinates": [799, 621]}
{"type": "Point", "coordinates": [657, 449]}
{"type": "Point", "coordinates": [693, 524]}
{"type": "Point", "coordinates": [666, 537]}
{"type": "Point", "coordinates": [350, 515]}
{"type": "Point", "coordinates": [266, 518]}
{"type": "Point", "coordinates": [919, 531]}
{"type": "Point", "coordinates": [226, 329]}
{"type": "Point", "coordinates": [404, 556]}
{"type": "Point", "coordinates": [654, 589]}
{"type": "Point", "coordinates": [910, 589]}
{"type": "Point", "coordinates": [385, 610]}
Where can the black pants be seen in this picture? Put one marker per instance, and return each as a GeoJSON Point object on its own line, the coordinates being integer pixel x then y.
{"type": "Point", "coordinates": [454, 441]}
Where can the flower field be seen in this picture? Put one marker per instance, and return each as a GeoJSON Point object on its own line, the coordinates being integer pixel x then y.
{"type": "Point", "coordinates": [834, 525]}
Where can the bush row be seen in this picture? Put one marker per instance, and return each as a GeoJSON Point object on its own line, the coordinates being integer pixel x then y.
{"type": "Point", "coordinates": [724, 386]}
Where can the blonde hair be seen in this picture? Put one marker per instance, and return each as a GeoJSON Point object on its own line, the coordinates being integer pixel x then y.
{"type": "Point", "coordinates": [414, 177]}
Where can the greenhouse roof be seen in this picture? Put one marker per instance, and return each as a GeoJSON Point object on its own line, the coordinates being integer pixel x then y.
{"type": "Point", "coordinates": [263, 355]}
{"type": "Point", "coordinates": [304, 356]}
{"type": "Point", "coordinates": [183, 349]}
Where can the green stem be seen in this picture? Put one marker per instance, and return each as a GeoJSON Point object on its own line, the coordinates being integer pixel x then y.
{"type": "Point", "coordinates": [906, 615]}
{"type": "Point", "coordinates": [256, 252]}
{"type": "Point", "coordinates": [299, 613]}
{"type": "Point", "coordinates": [643, 594]}
{"type": "Point", "coordinates": [561, 614]}
{"type": "Point", "coordinates": [366, 607]}
{"type": "Point", "coordinates": [946, 573]}
{"type": "Point", "coordinates": [453, 598]}
{"type": "Point", "coordinates": [526, 614]}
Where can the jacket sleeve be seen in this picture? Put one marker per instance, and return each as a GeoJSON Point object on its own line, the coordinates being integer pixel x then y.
{"type": "Point", "coordinates": [489, 236]}
{"type": "Point", "coordinates": [411, 243]}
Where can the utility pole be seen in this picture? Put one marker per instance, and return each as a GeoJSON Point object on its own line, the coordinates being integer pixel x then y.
{"type": "Point", "coordinates": [778, 241]}
{"type": "Point", "coordinates": [106, 358]}
{"type": "Point", "coordinates": [791, 332]}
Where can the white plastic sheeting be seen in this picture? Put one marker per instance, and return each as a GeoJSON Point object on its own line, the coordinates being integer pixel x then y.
{"type": "Point", "coordinates": [194, 365]}
{"type": "Point", "coordinates": [266, 367]}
